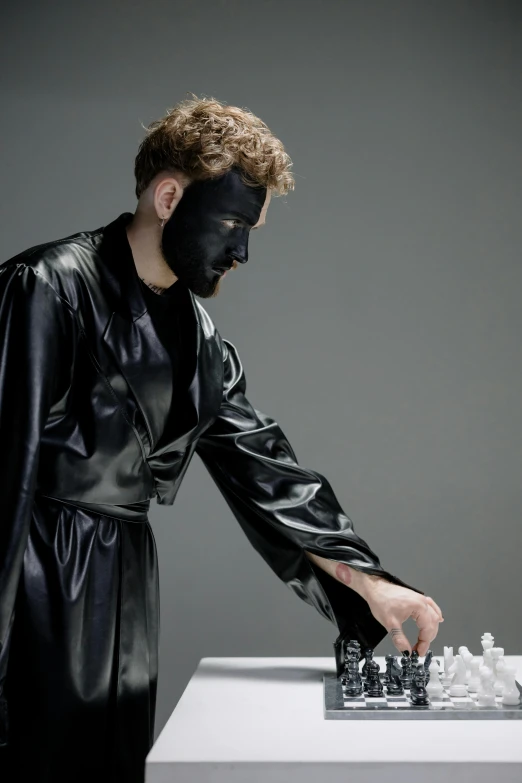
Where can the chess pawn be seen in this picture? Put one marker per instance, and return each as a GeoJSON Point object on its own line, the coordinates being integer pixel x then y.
{"type": "Point", "coordinates": [486, 694]}
{"type": "Point", "coordinates": [474, 676]}
{"type": "Point", "coordinates": [434, 687]}
{"type": "Point", "coordinates": [511, 695]}
{"type": "Point", "coordinates": [373, 682]}
{"type": "Point", "coordinates": [458, 683]}
{"type": "Point", "coordinates": [448, 663]}
{"type": "Point", "coordinates": [414, 658]}
{"type": "Point", "coordinates": [499, 683]}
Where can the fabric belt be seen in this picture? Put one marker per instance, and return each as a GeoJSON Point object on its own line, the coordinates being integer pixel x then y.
{"type": "Point", "coordinates": [129, 512]}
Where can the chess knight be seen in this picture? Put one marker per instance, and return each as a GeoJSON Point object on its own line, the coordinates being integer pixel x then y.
{"type": "Point", "coordinates": [94, 426]}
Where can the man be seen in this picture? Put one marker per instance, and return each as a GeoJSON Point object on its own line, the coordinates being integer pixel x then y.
{"type": "Point", "coordinates": [111, 376]}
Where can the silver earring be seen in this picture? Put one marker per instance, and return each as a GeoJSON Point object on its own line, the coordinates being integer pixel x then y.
{"type": "Point", "coordinates": [163, 222]}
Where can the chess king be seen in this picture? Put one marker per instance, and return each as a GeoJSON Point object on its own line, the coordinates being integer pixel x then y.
{"type": "Point", "coordinates": [112, 376]}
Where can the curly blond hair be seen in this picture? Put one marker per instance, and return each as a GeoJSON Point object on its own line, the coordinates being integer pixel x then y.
{"type": "Point", "coordinates": [203, 138]}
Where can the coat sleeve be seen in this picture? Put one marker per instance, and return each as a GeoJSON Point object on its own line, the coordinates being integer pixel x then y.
{"type": "Point", "coordinates": [33, 334]}
{"type": "Point", "coordinates": [285, 509]}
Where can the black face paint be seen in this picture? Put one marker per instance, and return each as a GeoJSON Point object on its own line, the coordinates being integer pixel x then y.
{"type": "Point", "coordinates": [196, 241]}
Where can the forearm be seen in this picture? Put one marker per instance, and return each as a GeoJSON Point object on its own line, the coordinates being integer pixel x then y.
{"type": "Point", "coordinates": [347, 575]}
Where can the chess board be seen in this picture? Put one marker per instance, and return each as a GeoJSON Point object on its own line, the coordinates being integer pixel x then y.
{"type": "Point", "coordinates": [338, 706]}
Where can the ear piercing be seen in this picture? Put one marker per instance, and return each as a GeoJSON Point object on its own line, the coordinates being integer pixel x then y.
{"type": "Point", "coordinates": [163, 222]}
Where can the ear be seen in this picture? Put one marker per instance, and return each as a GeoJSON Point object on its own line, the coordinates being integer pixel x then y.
{"type": "Point", "coordinates": [167, 195]}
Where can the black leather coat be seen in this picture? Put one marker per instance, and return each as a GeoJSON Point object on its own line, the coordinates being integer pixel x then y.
{"type": "Point", "coordinates": [84, 395]}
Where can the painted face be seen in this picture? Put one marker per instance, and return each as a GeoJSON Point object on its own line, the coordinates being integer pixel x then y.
{"type": "Point", "coordinates": [209, 229]}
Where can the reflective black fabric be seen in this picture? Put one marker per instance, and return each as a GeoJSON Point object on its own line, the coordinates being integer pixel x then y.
{"type": "Point", "coordinates": [86, 388]}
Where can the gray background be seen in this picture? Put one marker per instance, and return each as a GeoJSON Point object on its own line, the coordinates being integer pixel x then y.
{"type": "Point", "coordinates": [379, 317]}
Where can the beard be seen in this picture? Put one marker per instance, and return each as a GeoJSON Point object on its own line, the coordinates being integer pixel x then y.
{"type": "Point", "coordinates": [186, 262]}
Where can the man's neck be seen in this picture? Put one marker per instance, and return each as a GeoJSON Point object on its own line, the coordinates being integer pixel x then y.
{"type": "Point", "coordinates": [156, 288]}
{"type": "Point", "coordinates": [144, 238]}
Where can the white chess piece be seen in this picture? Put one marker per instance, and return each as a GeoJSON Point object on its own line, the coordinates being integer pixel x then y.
{"type": "Point", "coordinates": [487, 645]}
{"type": "Point", "coordinates": [434, 687]}
{"type": "Point", "coordinates": [474, 676]}
{"type": "Point", "coordinates": [511, 695]}
{"type": "Point", "coordinates": [488, 636]}
{"type": "Point", "coordinates": [499, 683]}
{"type": "Point", "coordinates": [497, 654]}
{"type": "Point", "coordinates": [458, 683]}
{"type": "Point", "coordinates": [487, 659]}
{"type": "Point", "coordinates": [467, 657]}
{"type": "Point", "coordinates": [486, 694]}
{"type": "Point", "coordinates": [448, 663]}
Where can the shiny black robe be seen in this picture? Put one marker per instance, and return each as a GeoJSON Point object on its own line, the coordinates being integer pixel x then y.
{"type": "Point", "coordinates": [85, 389]}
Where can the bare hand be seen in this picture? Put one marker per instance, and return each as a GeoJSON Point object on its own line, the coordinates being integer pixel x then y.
{"type": "Point", "coordinates": [392, 605]}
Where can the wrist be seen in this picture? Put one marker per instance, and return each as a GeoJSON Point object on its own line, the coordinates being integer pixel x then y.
{"type": "Point", "coordinates": [361, 583]}
{"type": "Point", "coordinates": [364, 584]}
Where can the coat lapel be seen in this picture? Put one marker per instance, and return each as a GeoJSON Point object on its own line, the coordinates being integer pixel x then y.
{"type": "Point", "coordinates": [141, 357]}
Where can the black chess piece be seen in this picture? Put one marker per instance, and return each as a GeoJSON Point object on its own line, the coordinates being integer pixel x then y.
{"type": "Point", "coordinates": [351, 679]}
{"type": "Point", "coordinates": [353, 643]}
{"type": "Point", "coordinates": [358, 648]}
{"type": "Point", "coordinates": [394, 688]}
{"type": "Point", "coordinates": [386, 677]}
{"type": "Point", "coordinates": [346, 646]}
{"type": "Point", "coordinates": [368, 654]}
{"type": "Point", "coordinates": [418, 694]}
{"type": "Point", "coordinates": [427, 661]}
{"type": "Point", "coordinates": [407, 673]}
{"type": "Point", "coordinates": [373, 681]}
{"type": "Point", "coordinates": [414, 658]}
{"type": "Point", "coordinates": [351, 649]}
{"type": "Point", "coordinates": [339, 646]}
{"type": "Point", "coordinates": [396, 668]}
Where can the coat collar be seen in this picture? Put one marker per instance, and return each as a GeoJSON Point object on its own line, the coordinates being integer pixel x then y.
{"type": "Point", "coordinates": [119, 262]}
{"type": "Point", "coordinates": [141, 356]}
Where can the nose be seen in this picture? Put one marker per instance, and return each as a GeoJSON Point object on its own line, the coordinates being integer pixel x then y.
{"type": "Point", "coordinates": [240, 250]}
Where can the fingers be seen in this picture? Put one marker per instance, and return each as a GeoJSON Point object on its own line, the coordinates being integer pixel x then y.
{"type": "Point", "coordinates": [435, 606]}
{"type": "Point", "coordinates": [421, 646]}
{"type": "Point", "coordinates": [399, 638]}
{"type": "Point", "coordinates": [427, 619]}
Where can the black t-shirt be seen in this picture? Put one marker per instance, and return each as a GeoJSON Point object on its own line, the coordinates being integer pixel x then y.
{"type": "Point", "coordinates": [168, 312]}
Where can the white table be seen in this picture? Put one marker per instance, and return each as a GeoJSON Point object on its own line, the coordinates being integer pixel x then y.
{"type": "Point", "coordinates": [260, 720]}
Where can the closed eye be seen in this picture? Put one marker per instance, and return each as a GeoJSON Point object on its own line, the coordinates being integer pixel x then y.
{"type": "Point", "coordinates": [232, 220]}
{"type": "Point", "coordinates": [241, 222]}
